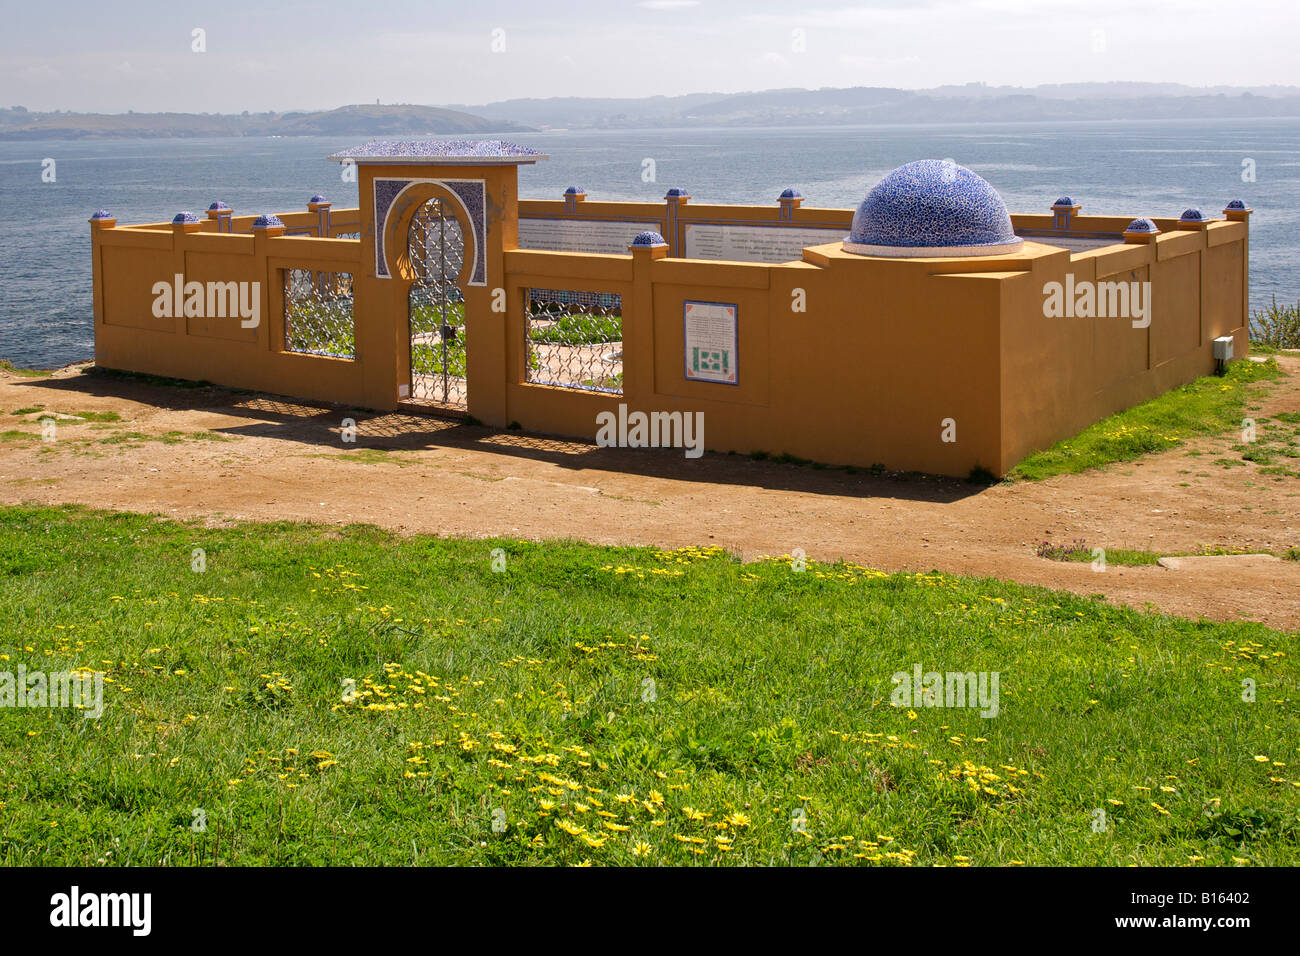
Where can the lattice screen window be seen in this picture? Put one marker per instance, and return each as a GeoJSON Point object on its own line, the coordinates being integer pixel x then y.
{"type": "Point", "coordinates": [574, 339]}
{"type": "Point", "coordinates": [318, 318]}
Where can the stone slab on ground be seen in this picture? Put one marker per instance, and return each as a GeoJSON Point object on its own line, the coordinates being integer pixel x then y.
{"type": "Point", "coordinates": [1218, 562]}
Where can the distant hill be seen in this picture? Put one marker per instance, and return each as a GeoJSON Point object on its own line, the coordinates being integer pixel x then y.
{"type": "Point", "coordinates": [390, 120]}
{"type": "Point", "coordinates": [971, 103]}
{"type": "Point", "coordinates": [409, 121]}
{"type": "Point", "coordinates": [579, 111]}
{"type": "Point", "coordinates": [856, 105]}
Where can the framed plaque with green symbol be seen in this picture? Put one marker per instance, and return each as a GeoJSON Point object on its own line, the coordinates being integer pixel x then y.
{"type": "Point", "coordinates": [710, 338]}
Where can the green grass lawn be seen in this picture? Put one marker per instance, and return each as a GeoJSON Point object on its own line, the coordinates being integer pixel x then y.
{"type": "Point", "coordinates": [320, 328]}
{"type": "Point", "coordinates": [7, 366]}
{"type": "Point", "coordinates": [428, 359]}
{"type": "Point", "coordinates": [349, 696]}
{"type": "Point", "coordinates": [1209, 405]}
{"type": "Point", "coordinates": [576, 328]}
{"type": "Point", "coordinates": [1080, 551]}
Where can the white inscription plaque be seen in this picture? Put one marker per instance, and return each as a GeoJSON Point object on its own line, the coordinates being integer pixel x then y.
{"type": "Point", "coordinates": [754, 243]}
{"type": "Point", "coordinates": [582, 235]}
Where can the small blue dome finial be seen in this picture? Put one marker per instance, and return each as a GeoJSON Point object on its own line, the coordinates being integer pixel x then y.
{"type": "Point", "coordinates": [1237, 210]}
{"type": "Point", "coordinates": [1141, 230]}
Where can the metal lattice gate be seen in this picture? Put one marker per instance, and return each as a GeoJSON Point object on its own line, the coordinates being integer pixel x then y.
{"type": "Point", "coordinates": [435, 247]}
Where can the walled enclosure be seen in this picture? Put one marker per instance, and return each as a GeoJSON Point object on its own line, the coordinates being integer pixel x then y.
{"type": "Point", "coordinates": [882, 353]}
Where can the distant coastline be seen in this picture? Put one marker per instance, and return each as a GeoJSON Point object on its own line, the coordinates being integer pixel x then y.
{"type": "Point", "coordinates": [853, 106]}
{"type": "Point", "coordinates": [392, 121]}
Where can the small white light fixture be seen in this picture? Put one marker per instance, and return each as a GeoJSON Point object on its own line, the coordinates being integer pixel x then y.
{"type": "Point", "coordinates": [1223, 351]}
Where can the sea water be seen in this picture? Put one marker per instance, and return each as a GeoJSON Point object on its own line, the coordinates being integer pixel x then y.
{"type": "Point", "coordinates": [1121, 168]}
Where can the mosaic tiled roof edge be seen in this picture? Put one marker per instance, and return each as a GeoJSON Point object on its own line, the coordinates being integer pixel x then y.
{"type": "Point", "coordinates": [453, 151]}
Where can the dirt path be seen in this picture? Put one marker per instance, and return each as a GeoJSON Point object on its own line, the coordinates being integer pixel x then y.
{"type": "Point", "coordinates": [220, 456]}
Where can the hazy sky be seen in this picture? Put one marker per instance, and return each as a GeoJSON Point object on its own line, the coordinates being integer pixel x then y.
{"type": "Point", "coordinates": [114, 56]}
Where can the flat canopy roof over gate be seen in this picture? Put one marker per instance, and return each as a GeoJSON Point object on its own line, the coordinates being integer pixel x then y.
{"type": "Point", "coordinates": [440, 152]}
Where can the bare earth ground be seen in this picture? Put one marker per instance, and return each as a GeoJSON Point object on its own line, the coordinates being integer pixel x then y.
{"type": "Point", "coordinates": [217, 455]}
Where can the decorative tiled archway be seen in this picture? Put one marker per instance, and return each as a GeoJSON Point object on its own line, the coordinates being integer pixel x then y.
{"type": "Point", "coordinates": [469, 195]}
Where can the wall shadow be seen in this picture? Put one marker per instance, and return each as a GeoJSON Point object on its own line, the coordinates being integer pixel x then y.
{"type": "Point", "coordinates": [318, 425]}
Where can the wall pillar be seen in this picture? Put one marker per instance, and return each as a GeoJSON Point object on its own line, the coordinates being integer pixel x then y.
{"type": "Point", "coordinates": [271, 334]}
{"type": "Point", "coordinates": [638, 334]}
{"type": "Point", "coordinates": [789, 200]}
{"type": "Point", "coordinates": [1238, 211]}
{"type": "Point", "coordinates": [572, 196]}
{"type": "Point", "coordinates": [221, 213]}
{"type": "Point", "coordinates": [183, 223]}
{"type": "Point", "coordinates": [100, 221]}
{"type": "Point", "coordinates": [321, 207]}
{"type": "Point", "coordinates": [1063, 210]}
{"type": "Point", "coordinates": [675, 199]}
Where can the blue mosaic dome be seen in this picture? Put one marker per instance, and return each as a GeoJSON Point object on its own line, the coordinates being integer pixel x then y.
{"type": "Point", "coordinates": [102, 214]}
{"type": "Point", "coordinates": [1237, 204]}
{"type": "Point", "coordinates": [264, 221]}
{"type": "Point", "coordinates": [1064, 202]}
{"type": "Point", "coordinates": [932, 207]}
{"type": "Point", "coordinates": [1142, 225]}
{"type": "Point", "coordinates": [791, 193]}
{"type": "Point", "coordinates": [648, 239]}
{"type": "Point", "coordinates": [676, 192]}
{"type": "Point", "coordinates": [317, 198]}
{"type": "Point", "coordinates": [1192, 215]}
{"type": "Point", "coordinates": [218, 206]}
{"type": "Point", "coordinates": [575, 191]}
{"type": "Point", "coordinates": [183, 217]}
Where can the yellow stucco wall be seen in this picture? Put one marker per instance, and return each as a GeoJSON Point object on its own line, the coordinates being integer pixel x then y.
{"type": "Point", "coordinates": [885, 351]}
